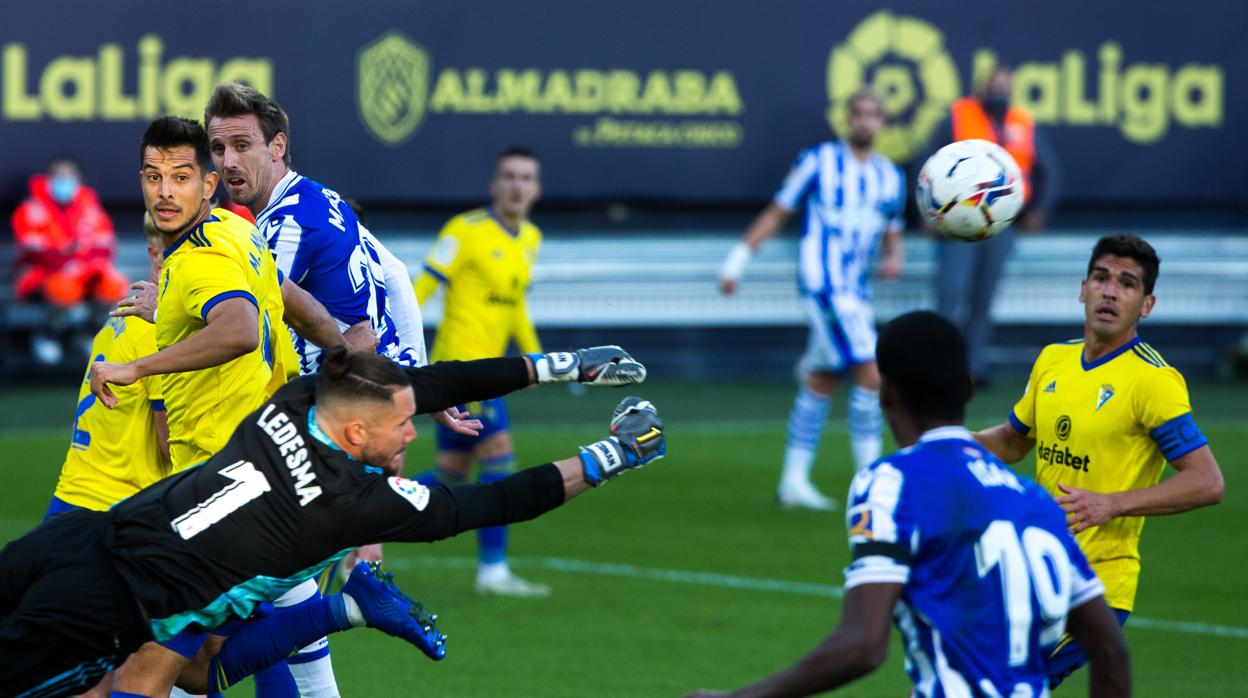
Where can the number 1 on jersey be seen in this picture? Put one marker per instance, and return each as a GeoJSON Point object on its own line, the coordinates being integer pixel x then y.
{"type": "Point", "coordinates": [246, 484]}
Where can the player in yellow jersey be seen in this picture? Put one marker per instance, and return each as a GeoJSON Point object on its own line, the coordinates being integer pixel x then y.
{"type": "Point", "coordinates": [219, 302]}
{"type": "Point", "coordinates": [115, 453]}
{"type": "Point", "coordinates": [1105, 413]}
{"type": "Point", "coordinates": [485, 259]}
{"type": "Point", "coordinates": [219, 305]}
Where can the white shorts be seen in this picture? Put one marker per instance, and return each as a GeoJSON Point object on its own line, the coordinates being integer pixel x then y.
{"type": "Point", "coordinates": [842, 333]}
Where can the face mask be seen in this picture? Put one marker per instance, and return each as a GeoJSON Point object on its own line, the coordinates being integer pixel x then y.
{"type": "Point", "coordinates": [996, 105]}
{"type": "Point", "coordinates": [63, 188]}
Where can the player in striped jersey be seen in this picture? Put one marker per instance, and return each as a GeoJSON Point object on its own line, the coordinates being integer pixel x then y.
{"type": "Point", "coordinates": [319, 244]}
{"type": "Point", "coordinates": [972, 562]}
{"type": "Point", "coordinates": [315, 237]}
{"type": "Point", "coordinates": [849, 196]}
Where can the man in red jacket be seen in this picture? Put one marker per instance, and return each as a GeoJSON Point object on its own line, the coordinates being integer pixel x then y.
{"type": "Point", "coordinates": [65, 247]}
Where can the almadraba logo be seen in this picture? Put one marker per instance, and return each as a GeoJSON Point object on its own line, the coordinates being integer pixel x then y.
{"type": "Point", "coordinates": [397, 90]}
{"type": "Point", "coordinates": [906, 61]}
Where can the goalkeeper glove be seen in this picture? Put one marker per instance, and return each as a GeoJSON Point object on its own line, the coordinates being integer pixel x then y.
{"type": "Point", "coordinates": [636, 439]}
{"type": "Point", "coordinates": [609, 365]}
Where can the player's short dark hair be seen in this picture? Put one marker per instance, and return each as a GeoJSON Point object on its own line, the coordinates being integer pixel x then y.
{"type": "Point", "coordinates": [517, 151]}
{"type": "Point", "coordinates": [923, 356]}
{"type": "Point", "coordinates": [173, 132]}
{"type": "Point", "coordinates": [237, 99]}
{"type": "Point", "coordinates": [358, 376]}
{"type": "Point", "coordinates": [1131, 247]}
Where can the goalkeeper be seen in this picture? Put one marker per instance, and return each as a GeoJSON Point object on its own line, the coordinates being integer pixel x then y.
{"type": "Point", "coordinates": [304, 479]}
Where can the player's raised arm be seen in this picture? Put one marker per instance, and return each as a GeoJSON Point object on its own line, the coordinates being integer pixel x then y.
{"type": "Point", "coordinates": [398, 509]}
{"type": "Point", "coordinates": [230, 332]}
{"type": "Point", "coordinates": [449, 383]}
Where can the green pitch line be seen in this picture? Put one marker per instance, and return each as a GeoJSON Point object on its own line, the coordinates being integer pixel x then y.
{"type": "Point", "coordinates": [731, 581]}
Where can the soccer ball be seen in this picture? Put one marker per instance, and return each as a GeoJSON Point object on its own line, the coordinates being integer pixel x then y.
{"type": "Point", "coordinates": [970, 190]}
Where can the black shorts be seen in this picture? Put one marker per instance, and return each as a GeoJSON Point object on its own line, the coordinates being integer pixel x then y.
{"type": "Point", "coordinates": [67, 617]}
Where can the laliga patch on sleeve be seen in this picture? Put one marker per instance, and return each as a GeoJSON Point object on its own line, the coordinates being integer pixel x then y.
{"type": "Point", "coordinates": [444, 252]}
{"type": "Point", "coordinates": [414, 492]}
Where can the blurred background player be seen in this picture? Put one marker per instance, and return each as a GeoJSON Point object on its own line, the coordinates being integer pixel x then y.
{"type": "Point", "coordinates": [65, 249]}
{"type": "Point", "coordinates": [850, 196]}
{"type": "Point", "coordinates": [485, 257]}
{"type": "Point", "coordinates": [941, 527]}
{"type": "Point", "coordinates": [1105, 414]}
{"type": "Point", "coordinates": [967, 275]}
{"type": "Point", "coordinates": [115, 453]}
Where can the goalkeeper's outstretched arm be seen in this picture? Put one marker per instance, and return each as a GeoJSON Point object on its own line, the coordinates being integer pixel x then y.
{"type": "Point", "coordinates": [451, 383]}
{"type": "Point", "coordinates": [393, 509]}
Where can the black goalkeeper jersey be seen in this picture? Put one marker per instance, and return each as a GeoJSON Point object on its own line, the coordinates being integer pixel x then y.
{"type": "Point", "coordinates": [280, 502]}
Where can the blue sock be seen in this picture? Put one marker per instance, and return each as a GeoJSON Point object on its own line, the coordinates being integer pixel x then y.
{"type": "Point", "coordinates": [263, 642]}
{"type": "Point", "coordinates": [275, 682]}
{"type": "Point", "coordinates": [438, 476]}
{"type": "Point", "coordinates": [492, 541]}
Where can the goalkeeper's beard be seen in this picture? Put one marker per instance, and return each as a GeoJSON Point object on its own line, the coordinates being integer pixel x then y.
{"type": "Point", "coordinates": [390, 462]}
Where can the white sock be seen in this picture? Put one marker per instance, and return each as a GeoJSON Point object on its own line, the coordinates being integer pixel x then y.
{"type": "Point", "coordinates": [493, 570]}
{"type": "Point", "coordinates": [313, 677]}
{"type": "Point", "coordinates": [865, 423]}
{"type": "Point", "coordinates": [806, 420]}
{"type": "Point", "coordinates": [179, 693]}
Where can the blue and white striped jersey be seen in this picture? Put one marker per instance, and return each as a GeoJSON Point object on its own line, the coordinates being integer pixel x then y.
{"type": "Point", "coordinates": [988, 566]}
{"type": "Point", "coordinates": [318, 243]}
{"type": "Point", "coordinates": [848, 205]}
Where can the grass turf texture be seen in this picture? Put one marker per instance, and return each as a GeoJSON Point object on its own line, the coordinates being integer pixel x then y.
{"type": "Point", "coordinates": [644, 569]}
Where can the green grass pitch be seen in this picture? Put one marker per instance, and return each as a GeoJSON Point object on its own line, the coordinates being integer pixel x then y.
{"type": "Point", "coordinates": [686, 574]}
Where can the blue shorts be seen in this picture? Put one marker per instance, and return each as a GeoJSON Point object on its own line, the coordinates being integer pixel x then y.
{"type": "Point", "coordinates": [493, 416]}
{"type": "Point", "coordinates": [60, 506]}
{"type": "Point", "coordinates": [1069, 655]}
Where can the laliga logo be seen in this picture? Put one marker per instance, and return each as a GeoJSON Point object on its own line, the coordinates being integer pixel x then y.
{"type": "Point", "coordinates": [392, 80]}
{"type": "Point", "coordinates": [888, 52]}
{"type": "Point", "coordinates": [904, 59]}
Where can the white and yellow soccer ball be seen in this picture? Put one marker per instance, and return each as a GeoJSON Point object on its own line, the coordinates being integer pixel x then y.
{"type": "Point", "coordinates": [970, 190]}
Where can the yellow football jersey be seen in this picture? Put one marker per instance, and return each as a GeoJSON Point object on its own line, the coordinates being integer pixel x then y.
{"type": "Point", "coordinates": [1108, 425]}
{"type": "Point", "coordinates": [222, 258]}
{"type": "Point", "coordinates": [486, 268]}
{"type": "Point", "coordinates": [114, 453]}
